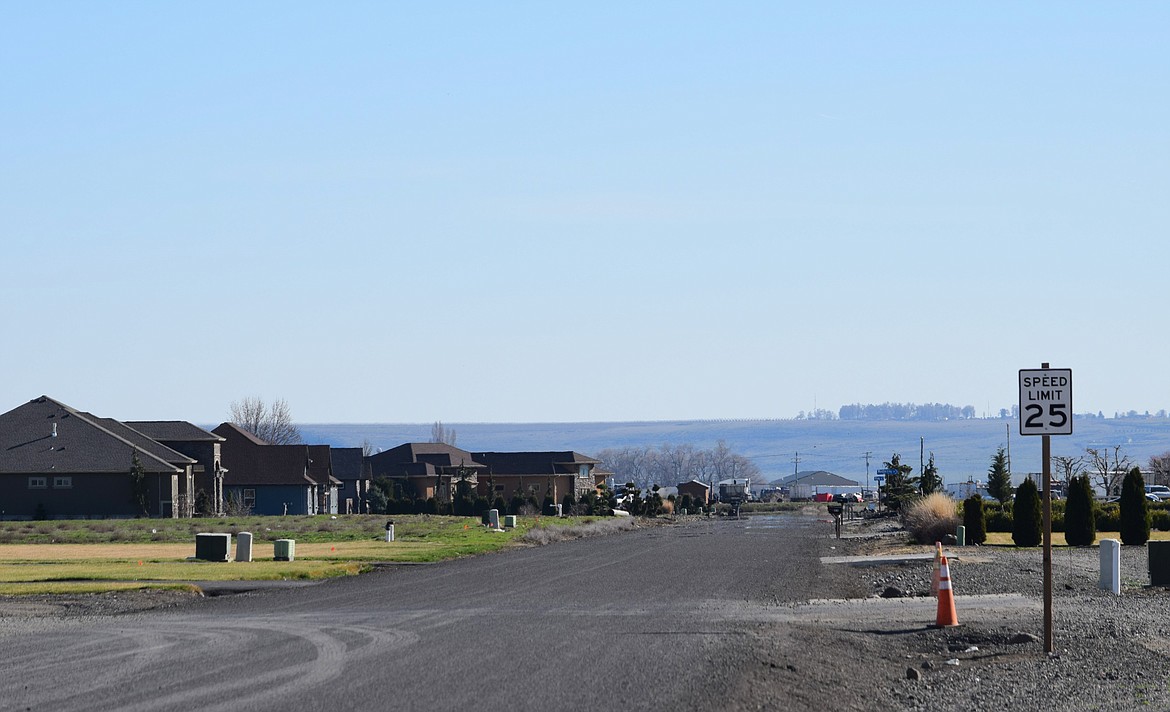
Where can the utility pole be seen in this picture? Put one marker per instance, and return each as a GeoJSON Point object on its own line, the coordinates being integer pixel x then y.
{"type": "Point", "coordinates": [921, 450]}
{"type": "Point", "coordinates": [796, 464]}
{"type": "Point", "coordinates": [867, 454]}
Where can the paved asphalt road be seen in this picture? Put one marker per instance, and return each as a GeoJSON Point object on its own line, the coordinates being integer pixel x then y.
{"type": "Point", "coordinates": [660, 618]}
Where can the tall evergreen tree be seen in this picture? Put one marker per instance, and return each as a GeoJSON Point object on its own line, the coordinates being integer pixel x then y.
{"type": "Point", "coordinates": [1080, 521]}
{"type": "Point", "coordinates": [974, 520]}
{"type": "Point", "coordinates": [1026, 516]}
{"type": "Point", "coordinates": [1135, 509]}
{"type": "Point", "coordinates": [999, 480]}
{"type": "Point", "coordinates": [930, 481]}
{"type": "Point", "coordinates": [900, 486]}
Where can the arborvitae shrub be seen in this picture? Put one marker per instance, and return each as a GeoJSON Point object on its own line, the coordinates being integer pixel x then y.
{"type": "Point", "coordinates": [499, 505]}
{"type": "Point", "coordinates": [1135, 510]}
{"type": "Point", "coordinates": [974, 520]}
{"type": "Point", "coordinates": [1080, 520]}
{"type": "Point", "coordinates": [1159, 518]}
{"type": "Point", "coordinates": [518, 503]}
{"type": "Point", "coordinates": [1026, 522]}
{"type": "Point", "coordinates": [1080, 524]}
{"type": "Point", "coordinates": [567, 504]}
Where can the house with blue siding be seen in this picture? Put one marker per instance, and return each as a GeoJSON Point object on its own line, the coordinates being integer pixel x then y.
{"type": "Point", "coordinates": [275, 479]}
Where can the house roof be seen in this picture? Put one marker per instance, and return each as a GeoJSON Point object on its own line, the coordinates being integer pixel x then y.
{"type": "Point", "coordinates": [320, 464]}
{"type": "Point", "coordinates": [564, 462]}
{"type": "Point", "coordinates": [144, 443]}
{"type": "Point", "coordinates": [173, 431]}
{"type": "Point", "coordinates": [419, 459]}
{"type": "Point", "coordinates": [348, 463]}
{"type": "Point", "coordinates": [698, 483]}
{"type": "Point", "coordinates": [251, 461]}
{"type": "Point", "coordinates": [83, 443]}
{"type": "Point", "coordinates": [817, 477]}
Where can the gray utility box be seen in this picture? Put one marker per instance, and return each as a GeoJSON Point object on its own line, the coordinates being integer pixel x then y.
{"type": "Point", "coordinates": [284, 549]}
{"type": "Point", "coordinates": [1159, 552]}
{"type": "Point", "coordinates": [213, 547]}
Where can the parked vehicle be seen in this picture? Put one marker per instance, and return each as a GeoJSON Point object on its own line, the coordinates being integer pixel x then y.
{"type": "Point", "coordinates": [1159, 491]}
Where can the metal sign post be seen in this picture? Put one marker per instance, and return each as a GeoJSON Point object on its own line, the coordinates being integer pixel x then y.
{"type": "Point", "coordinates": [1045, 410]}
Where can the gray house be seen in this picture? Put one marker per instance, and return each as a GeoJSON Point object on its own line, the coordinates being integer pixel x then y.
{"type": "Point", "coordinates": [59, 462]}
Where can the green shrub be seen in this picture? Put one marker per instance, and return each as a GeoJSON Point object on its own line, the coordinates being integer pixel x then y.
{"type": "Point", "coordinates": [974, 520]}
{"type": "Point", "coordinates": [1160, 518]}
{"type": "Point", "coordinates": [999, 518]}
{"type": "Point", "coordinates": [1108, 517]}
{"type": "Point", "coordinates": [1026, 524]}
{"type": "Point", "coordinates": [1135, 510]}
{"type": "Point", "coordinates": [1080, 526]}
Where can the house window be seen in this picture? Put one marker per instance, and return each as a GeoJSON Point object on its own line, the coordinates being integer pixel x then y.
{"type": "Point", "coordinates": [249, 498]}
{"type": "Point", "coordinates": [62, 483]}
{"type": "Point", "coordinates": [583, 471]}
{"type": "Point", "coordinates": [37, 483]}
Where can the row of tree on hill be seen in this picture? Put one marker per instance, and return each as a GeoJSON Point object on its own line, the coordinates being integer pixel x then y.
{"type": "Point", "coordinates": [905, 411]}
{"type": "Point", "coordinates": [665, 465]}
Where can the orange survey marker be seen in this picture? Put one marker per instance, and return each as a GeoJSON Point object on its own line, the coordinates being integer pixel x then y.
{"type": "Point", "coordinates": [946, 598]}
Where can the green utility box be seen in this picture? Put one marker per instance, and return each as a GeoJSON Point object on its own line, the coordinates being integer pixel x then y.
{"type": "Point", "coordinates": [284, 549]}
{"type": "Point", "coordinates": [213, 547]}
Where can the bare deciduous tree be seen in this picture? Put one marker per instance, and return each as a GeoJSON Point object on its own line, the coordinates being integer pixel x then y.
{"type": "Point", "coordinates": [440, 434]}
{"type": "Point", "coordinates": [1160, 469]}
{"type": "Point", "coordinates": [1066, 467]}
{"type": "Point", "coordinates": [1108, 468]}
{"type": "Point", "coordinates": [672, 464]}
{"type": "Point", "coordinates": [271, 423]}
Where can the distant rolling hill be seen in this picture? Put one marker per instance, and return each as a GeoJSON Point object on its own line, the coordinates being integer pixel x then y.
{"type": "Point", "coordinates": [962, 448]}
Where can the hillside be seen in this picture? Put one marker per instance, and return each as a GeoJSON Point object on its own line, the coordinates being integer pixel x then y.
{"type": "Point", "coordinates": [962, 448]}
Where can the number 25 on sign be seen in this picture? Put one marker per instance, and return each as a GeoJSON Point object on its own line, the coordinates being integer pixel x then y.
{"type": "Point", "coordinates": [1046, 401]}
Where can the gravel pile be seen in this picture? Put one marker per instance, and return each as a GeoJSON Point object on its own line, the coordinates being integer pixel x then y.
{"type": "Point", "coordinates": [1111, 651]}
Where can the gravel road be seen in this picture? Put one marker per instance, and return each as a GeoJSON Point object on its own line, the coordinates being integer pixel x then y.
{"type": "Point", "coordinates": [762, 613]}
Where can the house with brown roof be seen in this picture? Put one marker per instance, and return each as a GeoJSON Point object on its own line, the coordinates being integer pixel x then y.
{"type": "Point", "coordinates": [353, 473]}
{"type": "Point", "coordinates": [196, 443]}
{"type": "Point", "coordinates": [538, 474]}
{"type": "Point", "coordinates": [699, 491]}
{"type": "Point", "coordinates": [276, 479]}
{"type": "Point", "coordinates": [59, 462]}
{"type": "Point", "coordinates": [425, 470]}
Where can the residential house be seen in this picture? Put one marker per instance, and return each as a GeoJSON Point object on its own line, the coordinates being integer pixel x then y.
{"type": "Point", "coordinates": [197, 443]}
{"type": "Point", "coordinates": [700, 492]}
{"type": "Point", "coordinates": [59, 462]}
{"type": "Point", "coordinates": [353, 473]}
{"type": "Point", "coordinates": [425, 470]}
{"type": "Point", "coordinates": [538, 474]}
{"type": "Point", "coordinates": [275, 479]}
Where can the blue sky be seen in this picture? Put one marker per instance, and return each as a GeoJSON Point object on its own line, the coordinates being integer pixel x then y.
{"type": "Point", "coordinates": [390, 212]}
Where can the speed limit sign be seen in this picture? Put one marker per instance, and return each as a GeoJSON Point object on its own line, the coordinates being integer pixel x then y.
{"type": "Point", "coordinates": [1046, 401]}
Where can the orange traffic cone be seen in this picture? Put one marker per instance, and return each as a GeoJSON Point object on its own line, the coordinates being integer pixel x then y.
{"type": "Point", "coordinates": [937, 567]}
{"type": "Point", "coordinates": [946, 598]}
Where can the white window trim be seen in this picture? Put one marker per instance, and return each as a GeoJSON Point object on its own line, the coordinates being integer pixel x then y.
{"type": "Point", "coordinates": [38, 483]}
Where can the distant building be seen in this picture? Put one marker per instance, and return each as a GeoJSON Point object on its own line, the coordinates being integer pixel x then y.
{"type": "Point", "coordinates": [58, 462]}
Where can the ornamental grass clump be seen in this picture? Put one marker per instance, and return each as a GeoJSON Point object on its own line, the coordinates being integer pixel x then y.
{"type": "Point", "coordinates": [930, 518]}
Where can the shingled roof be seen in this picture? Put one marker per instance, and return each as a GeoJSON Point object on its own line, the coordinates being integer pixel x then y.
{"type": "Point", "coordinates": [47, 436]}
{"type": "Point", "coordinates": [173, 431]}
{"type": "Point", "coordinates": [251, 461]}
{"type": "Point", "coordinates": [534, 463]}
{"type": "Point", "coordinates": [419, 459]}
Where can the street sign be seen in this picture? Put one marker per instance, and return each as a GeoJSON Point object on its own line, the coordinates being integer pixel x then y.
{"type": "Point", "coordinates": [1046, 401]}
{"type": "Point", "coordinates": [878, 479]}
{"type": "Point", "coordinates": [887, 471]}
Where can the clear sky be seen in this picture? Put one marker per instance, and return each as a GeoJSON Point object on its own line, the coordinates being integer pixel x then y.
{"type": "Point", "coordinates": [515, 212]}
